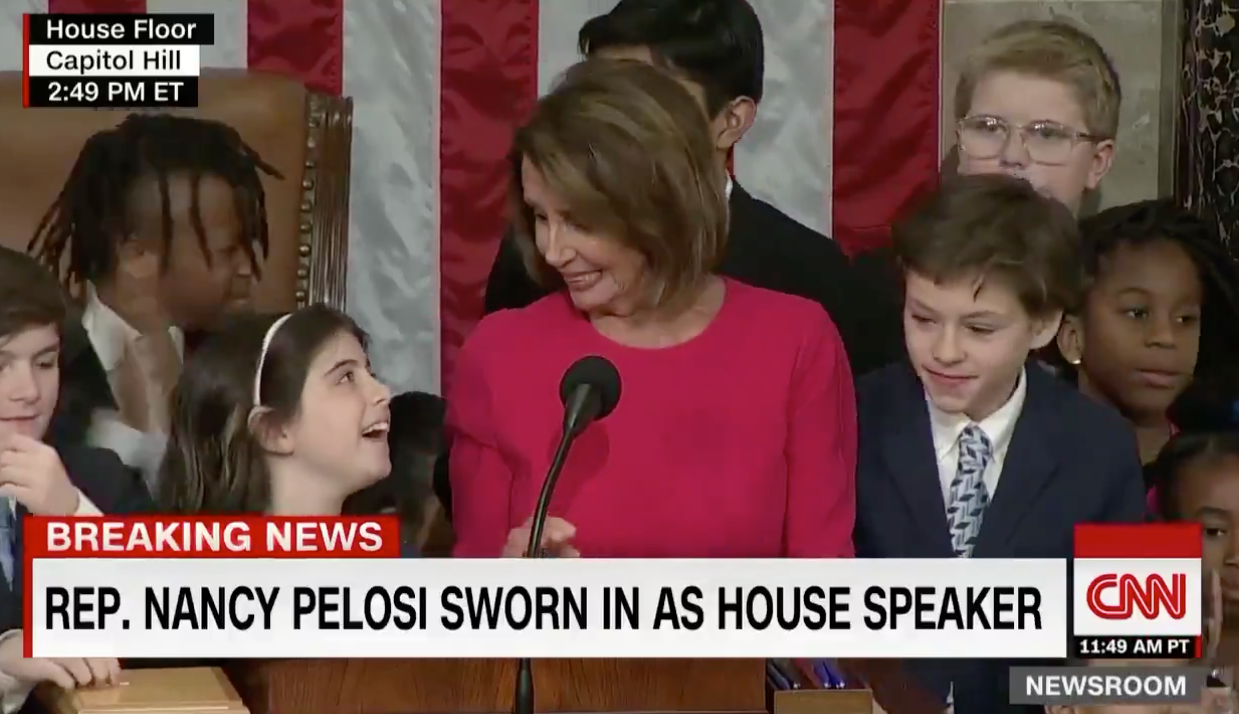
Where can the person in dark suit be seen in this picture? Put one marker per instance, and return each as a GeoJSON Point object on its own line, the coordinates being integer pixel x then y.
{"type": "Point", "coordinates": [970, 449]}
{"type": "Point", "coordinates": [40, 477]}
{"type": "Point", "coordinates": [162, 224]}
{"type": "Point", "coordinates": [715, 47]}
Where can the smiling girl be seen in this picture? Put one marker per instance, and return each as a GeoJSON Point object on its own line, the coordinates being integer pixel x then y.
{"type": "Point", "coordinates": [280, 416]}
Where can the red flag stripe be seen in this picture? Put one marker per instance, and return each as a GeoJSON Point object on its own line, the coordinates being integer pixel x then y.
{"type": "Point", "coordinates": [298, 38]}
{"type": "Point", "coordinates": [488, 81]}
{"type": "Point", "coordinates": [886, 114]}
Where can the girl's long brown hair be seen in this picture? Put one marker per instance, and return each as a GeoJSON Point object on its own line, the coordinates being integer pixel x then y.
{"type": "Point", "coordinates": [214, 463]}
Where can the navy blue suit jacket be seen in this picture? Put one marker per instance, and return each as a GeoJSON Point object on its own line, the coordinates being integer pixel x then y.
{"type": "Point", "coordinates": [1070, 460]}
{"type": "Point", "coordinates": [108, 483]}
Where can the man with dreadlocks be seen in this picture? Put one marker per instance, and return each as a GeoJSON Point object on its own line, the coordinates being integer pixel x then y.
{"type": "Point", "coordinates": [160, 227]}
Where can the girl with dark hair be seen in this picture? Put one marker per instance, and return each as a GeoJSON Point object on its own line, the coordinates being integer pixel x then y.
{"type": "Point", "coordinates": [1160, 319]}
{"type": "Point", "coordinates": [277, 416]}
{"type": "Point", "coordinates": [1197, 479]}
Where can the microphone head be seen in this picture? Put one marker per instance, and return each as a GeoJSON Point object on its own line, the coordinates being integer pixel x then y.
{"type": "Point", "coordinates": [601, 376]}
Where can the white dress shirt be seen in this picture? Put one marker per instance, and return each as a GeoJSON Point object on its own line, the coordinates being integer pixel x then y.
{"type": "Point", "coordinates": [998, 426]}
{"type": "Point", "coordinates": [947, 428]}
{"type": "Point", "coordinates": [13, 693]}
{"type": "Point", "coordinates": [110, 335]}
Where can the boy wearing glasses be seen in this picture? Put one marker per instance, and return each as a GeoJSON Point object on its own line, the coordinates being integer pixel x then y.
{"type": "Point", "coordinates": [1038, 100]}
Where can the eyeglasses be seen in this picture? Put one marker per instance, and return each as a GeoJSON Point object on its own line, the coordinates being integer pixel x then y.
{"type": "Point", "coordinates": [1047, 142]}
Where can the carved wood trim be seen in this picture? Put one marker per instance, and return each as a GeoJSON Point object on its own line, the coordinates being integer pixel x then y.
{"type": "Point", "coordinates": [322, 250]}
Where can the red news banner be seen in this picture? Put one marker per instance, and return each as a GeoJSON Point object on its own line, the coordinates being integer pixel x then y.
{"type": "Point", "coordinates": [211, 537]}
{"type": "Point", "coordinates": [107, 61]}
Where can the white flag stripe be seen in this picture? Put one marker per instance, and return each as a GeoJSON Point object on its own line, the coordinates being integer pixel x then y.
{"type": "Point", "coordinates": [229, 50]}
{"type": "Point", "coordinates": [391, 70]}
{"type": "Point", "coordinates": [559, 21]}
{"type": "Point", "coordinates": [786, 157]}
{"type": "Point", "coordinates": [11, 39]}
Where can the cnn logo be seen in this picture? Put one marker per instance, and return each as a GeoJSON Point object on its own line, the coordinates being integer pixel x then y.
{"type": "Point", "coordinates": [1137, 580]}
{"type": "Point", "coordinates": [1119, 596]}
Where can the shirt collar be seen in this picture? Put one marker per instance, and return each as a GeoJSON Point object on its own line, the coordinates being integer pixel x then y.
{"type": "Point", "coordinates": [109, 332]}
{"type": "Point", "coordinates": [998, 426]}
{"type": "Point", "coordinates": [730, 183]}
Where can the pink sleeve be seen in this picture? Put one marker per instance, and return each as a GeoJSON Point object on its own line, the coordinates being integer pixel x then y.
{"type": "Point", "coordinates": [821, 449]}
{"type": "Point", "coordinates": [481, 480]}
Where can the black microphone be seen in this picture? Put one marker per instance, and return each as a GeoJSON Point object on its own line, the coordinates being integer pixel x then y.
{"type": "Point", "coordinates": [589, 390]}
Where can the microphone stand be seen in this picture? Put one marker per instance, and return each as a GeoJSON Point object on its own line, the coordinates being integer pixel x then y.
{"type": "Point", "coordinates": [580, 410]}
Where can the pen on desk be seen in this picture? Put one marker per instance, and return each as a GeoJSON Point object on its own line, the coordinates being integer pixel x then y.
{"type": "Point", "coordinates": [808, 673]}
{"type": "Point", "coordinates": [789, 679]}
{"type": "Point", "coordinates": [831, 679]}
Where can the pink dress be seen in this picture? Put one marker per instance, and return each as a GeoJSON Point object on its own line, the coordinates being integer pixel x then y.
{"type": "Point", "coordinates": [738, 443]}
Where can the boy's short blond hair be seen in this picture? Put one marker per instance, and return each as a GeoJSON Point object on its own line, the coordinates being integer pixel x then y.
{"type": "Point", "coordinates": [1052, 50]}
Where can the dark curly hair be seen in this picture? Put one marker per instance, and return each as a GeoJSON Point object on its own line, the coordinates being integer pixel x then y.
{"type": "Point", "coordinates": [1136, 224]}
{"type": "Point", "coordinates": [1182, 451]}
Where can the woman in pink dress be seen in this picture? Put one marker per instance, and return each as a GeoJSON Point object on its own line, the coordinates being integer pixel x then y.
{"type": "Point", "coordinates": [736, 432]}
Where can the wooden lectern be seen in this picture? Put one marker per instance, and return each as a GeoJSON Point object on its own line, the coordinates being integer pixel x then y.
{"type": "Point", "coordinates": [485, 686]}
{"type": "Point", "coordinates": [472, 686]}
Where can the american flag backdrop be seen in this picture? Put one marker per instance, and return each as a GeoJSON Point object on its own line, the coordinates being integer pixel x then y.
{"type": "Point", "coordinates": [847, 133]}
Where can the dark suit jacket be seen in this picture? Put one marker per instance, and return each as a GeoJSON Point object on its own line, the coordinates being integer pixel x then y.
{"type": "Point", "coordinates": [113, 488]}
{"type": "Point", "coordinates": [84, 387]}
{"type": "Point", "coordinates": [879, 268]}
{"type": "Point", "coordinates": [1070, 461]}
{"type": "Point", "coordinates": [767, 249]}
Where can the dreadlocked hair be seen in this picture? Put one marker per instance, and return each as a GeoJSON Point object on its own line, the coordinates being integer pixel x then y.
{"type": "Point", "coordinates": [89, 218]}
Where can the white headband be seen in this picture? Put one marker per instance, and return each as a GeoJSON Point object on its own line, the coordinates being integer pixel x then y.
{"type": "Point", "coordinates": [262, 356]}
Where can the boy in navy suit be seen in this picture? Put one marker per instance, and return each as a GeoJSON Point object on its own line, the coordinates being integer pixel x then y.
{"type": "Point", "coordinates": [39, 478]}
{"type": "Point", "coordinates": [971, 449]}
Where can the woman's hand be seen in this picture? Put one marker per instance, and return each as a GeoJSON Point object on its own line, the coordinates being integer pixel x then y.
{"type": "Point", "coordinates": [557, 535]}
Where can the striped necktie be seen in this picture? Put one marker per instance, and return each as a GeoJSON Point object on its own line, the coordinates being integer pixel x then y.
{"type": "Point", "coordinates": [968, 495]}
{"type": "Point", "coordinates": [968, 499]}
{"type": "Point", "coordinates": [8, 538]}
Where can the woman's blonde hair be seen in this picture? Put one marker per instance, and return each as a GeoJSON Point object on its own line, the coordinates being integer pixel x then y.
{"type": "Point", "coordinates": [627, 149]}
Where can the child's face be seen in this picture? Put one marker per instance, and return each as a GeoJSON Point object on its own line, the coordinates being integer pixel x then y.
{"type": "Point", "coordinates": [199, 285]}
{"type": "Point", "coordinates": [29, 381]}
{"type": "Point", "coordinates": [1207, 491]}
{"type": "Point", "coordinates": [340, 432]}
{"type": "Point", "coordinates": [1021, 100]}
{"type": "Point", "coordinates": [1140, 332]}
{"type": "Point", "coordinates": [968, 341]}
